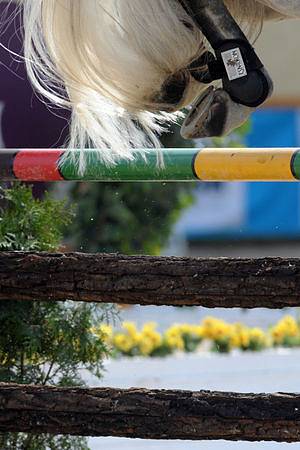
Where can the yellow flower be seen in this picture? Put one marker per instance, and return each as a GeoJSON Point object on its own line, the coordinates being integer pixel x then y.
{"type": "Point", "coordinates": [215, 329]}
{"type": "Point", "coordinates": [173, 337]}
{"type": "Point", "coordinates": [123, 343]}
{"type": "Point", "coordinates": [197, 331]}
{"type": "Point", "coordinates": [287, 327]}
{"type": "Point", "coordinates": [291, 326]}
{"type": "Point", "coordinates": [146, 347]}
{"type": "Point", "coordinates": [239, 336]}
{"type": "Point", "coordinates": [174, 330]}
{"type": "Point", "coordinates": [132, 332]}
{"type": "Point", "coordinates": [104, 332]}
{"type": "Point", "coordinates": [257, 334]}
{"type": "Point", "coordinates": [175, 342]}
{"type": "Point", "coordinates": [185, 328]}
{"type": "Point", "coordinates": [235, 340]}
{"type": "Point", "coordinates": [186, 337]}
{"type": "Point", "coordinates": [244, 338]}
{"type": "Point", "coordinates": [150, 339]}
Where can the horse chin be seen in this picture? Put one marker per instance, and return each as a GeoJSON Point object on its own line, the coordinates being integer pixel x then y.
{"type": "Point", "coordinates": [191, 94]}
{"type": "Point", "coordinates": [214, 114]}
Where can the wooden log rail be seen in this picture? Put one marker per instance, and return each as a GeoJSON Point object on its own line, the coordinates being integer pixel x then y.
{"type": "Point", "coordinates": [150, 414]}
{"type": "Point", "coordinates": [145, 280]}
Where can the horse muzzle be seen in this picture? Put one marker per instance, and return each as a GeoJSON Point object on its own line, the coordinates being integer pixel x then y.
{"type": "Point", "coordinates": [214, 114]}
{"type": "Point", "coordinates": [246, 83]}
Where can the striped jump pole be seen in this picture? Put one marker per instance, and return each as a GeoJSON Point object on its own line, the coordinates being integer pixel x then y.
{"type": "Point", "coordinates": [208, 164]}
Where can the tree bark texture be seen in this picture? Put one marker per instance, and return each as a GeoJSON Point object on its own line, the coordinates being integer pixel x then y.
{"type": "Point", "coordinates": [145, 280]}
{"type": "Point", "coordinates": [150, 414]}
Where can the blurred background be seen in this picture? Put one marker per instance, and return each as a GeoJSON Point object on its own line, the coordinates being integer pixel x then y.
{"type": "Point", "coordinates": [255, 219]}
{"type": "Point", "coordinates": [204, 219]}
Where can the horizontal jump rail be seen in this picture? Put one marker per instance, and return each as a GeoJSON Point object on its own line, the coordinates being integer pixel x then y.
{"type": "Point", "coordinates": [146, 280]}
{"type": "Point", "coordinates": [150, 414]}
{"type": "Point", "coordinates": [209, 164]}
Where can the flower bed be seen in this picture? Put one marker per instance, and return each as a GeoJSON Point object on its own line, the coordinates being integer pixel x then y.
{"type": "Point", "coordinates": [218, 335]}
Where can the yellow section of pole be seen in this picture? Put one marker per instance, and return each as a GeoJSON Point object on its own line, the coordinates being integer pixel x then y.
{"type": "Point", "coordinates": [244, 164]}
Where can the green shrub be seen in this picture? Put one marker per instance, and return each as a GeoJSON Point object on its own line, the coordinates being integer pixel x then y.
{"type": "Point", "coordinates": [47, 342]}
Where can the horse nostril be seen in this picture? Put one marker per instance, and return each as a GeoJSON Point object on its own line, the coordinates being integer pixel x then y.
{"type": "Point", "coordinates": [173, 89]}
{"type": "Point", "coordinates": [175, 86]}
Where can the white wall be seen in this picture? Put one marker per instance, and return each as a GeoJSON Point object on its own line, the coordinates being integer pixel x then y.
{"type": "Point", "coordinates": [279, 47]}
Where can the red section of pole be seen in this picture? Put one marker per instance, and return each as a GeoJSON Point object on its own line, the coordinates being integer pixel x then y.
{"type": "Point", "coordinates": [41, 165]}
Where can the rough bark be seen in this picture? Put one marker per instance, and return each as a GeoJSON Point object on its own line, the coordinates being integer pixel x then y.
{"type": "Point", "coordinates": [146, 414]}
{"type": "Point", "coordinates": [213, 282]}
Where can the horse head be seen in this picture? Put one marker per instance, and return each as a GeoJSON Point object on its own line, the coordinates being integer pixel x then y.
{"type": "Point", "coordinates": [127, 67]}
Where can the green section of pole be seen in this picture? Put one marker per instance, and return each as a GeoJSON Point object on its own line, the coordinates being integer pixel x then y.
{"type": "Point", "coordinates": [295, 165]}
{"type": "Point", "coordinates": [178, 166]}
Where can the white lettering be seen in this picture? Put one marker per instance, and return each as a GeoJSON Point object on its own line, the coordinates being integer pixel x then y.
{"type": "Point", "coordinates": [234, 64]}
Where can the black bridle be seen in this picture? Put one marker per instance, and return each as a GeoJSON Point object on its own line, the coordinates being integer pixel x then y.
{"type": "Point", "coordinates": [235, 61]}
